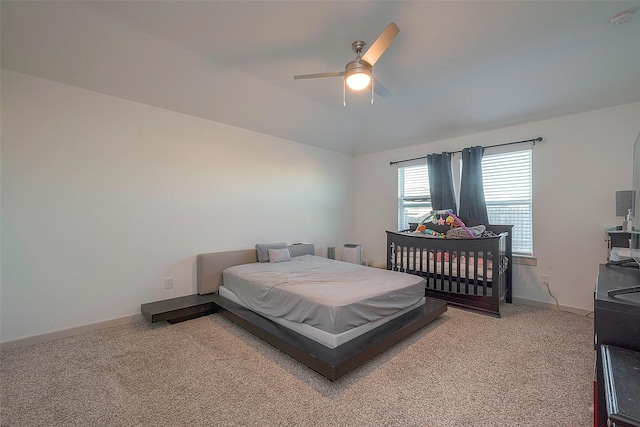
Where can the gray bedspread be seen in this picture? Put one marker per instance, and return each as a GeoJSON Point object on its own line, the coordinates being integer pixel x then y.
{"type": "Point", "coordinates": [330, 295]}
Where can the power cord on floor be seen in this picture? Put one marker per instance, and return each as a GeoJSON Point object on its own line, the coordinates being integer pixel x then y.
{"type": "Point", "coordinates": [558, 304]}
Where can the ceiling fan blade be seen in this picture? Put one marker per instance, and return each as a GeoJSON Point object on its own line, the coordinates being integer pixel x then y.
{"type": "Point", "coordinates": [380, 89]}
{"type": "Point", "coordinates": [318, 75]}
{"type": "Point", "coordinates": [381, 44]}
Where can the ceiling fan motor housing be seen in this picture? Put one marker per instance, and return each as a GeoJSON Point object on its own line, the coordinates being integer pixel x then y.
{"type": "Point", "coordinates": [357, 66]}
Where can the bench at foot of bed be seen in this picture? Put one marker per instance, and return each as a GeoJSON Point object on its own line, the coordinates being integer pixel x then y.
{"type": "Point", "coordinates": [332, 363]}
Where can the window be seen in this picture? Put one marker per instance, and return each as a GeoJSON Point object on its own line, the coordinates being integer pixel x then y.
{"type": "Point", "coordinates": [414, 199]}
{"type": "Point", "coordinates": [507, 180]}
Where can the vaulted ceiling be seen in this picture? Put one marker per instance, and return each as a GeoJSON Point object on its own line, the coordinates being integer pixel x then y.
{"type": "Point", "coordinates": [456, 67]}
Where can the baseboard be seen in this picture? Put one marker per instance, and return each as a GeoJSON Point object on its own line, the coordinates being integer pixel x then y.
{"type": "Point", "coordinates": [552, 306]}
{"type": "Point", "coordinates": [50, 336]}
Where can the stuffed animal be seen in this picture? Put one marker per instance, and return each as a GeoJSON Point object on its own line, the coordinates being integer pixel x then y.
{"type": "Point", "coordinates": [446, 216]}
{"type": "Point", "coordinates": [434, 233]}
{"type": "Point", "coordinates": [422, 229]}
{"type": "Point", "coordinates": [452, 222]}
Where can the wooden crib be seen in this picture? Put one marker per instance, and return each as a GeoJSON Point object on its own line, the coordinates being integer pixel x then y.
{"type": "Point", "coordinates": [470, 273]}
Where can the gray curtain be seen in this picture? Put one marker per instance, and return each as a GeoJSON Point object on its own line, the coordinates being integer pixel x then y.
{"type": "Point", "coordinates": [441, 181]}
{"type": "Point", "coordinates": [472, 203]}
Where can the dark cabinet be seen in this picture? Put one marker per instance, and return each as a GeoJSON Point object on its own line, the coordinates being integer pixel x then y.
{"type": "Point", "coordinates": [621, 372]}
{"type": "Point", "coordinates": [616, 323]}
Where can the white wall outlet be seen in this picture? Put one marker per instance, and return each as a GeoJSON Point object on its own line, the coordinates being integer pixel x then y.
{"type": "Point", "coordinates": [544, 279]}
{"type": "Point", "coordinates": [168, 282]}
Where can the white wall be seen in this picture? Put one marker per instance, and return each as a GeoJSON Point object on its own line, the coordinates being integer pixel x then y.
{"type": "Point", "coordinates": [103, 198]}
{"type": "Point", "coordinates": [577, 169]}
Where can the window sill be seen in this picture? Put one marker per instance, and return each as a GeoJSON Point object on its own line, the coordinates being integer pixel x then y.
{"type": "Point", "coordinates": [525, 260]}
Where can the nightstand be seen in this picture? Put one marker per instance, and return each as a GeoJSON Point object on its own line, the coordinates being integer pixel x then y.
{"type": "Point", "coordinates": [179, 309]}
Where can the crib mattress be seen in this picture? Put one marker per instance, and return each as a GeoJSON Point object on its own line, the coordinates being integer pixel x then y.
{"type": "Point", "coordinates": [431, 262]}
{"type": "Point", "coordinates": [330, 295]}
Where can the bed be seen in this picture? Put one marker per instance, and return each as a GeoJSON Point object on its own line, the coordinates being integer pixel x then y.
{"type": "Point", "coordinates": [472, 273]}
{"type": "Point", "coordinates": [313, 308]}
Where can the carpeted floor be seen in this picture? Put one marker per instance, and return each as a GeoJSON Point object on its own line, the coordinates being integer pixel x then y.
{"type": "Point", "coordinates": [533, 367]}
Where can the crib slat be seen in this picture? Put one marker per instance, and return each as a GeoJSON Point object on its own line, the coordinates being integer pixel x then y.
{"type": "Point", "coordinates": [485, 271]}
{"type": "Point", "coordinates": [485, 264]}
{"type": "Point", "coordinates": [394, 257]}
{"type": "Point", "coordinates": [468, 280]}
{"type": "Point", "coordinates": [457, 275]}
{"type": "Point", "coordinates": [450, 271]}
{"type": "Point", "coordinates": [394, 263]}
{"type": "Point", "coordinates": [442, 282]}
{"type": "Point", "coordinates": [475, 273]}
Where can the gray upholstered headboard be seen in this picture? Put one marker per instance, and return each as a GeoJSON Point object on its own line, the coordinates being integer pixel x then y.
{"type": "Point", "coordinates": [209, 266]}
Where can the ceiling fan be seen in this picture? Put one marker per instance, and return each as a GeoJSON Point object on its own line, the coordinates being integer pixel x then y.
{"type": "Point", "coordinates": [358, 72]}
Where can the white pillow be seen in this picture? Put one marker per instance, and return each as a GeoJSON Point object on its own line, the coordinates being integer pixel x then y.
{"type": "Point", "coordinates": [279, 255]}
{"type": "Point", "coordinates": [263, 250]}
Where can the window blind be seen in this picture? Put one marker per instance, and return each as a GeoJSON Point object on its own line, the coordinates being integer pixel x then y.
{"type": "Point", "coordinates": [414, 198]}
{"type": "Point", "coordinates": [507, 180]}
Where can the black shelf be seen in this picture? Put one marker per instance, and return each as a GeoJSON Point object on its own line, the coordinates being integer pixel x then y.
{"type": "Point", "coordinates": [179, 309]}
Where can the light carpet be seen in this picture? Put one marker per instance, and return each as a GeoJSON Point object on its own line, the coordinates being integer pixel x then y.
{"type": "Point", "coordinates": [532, 367]}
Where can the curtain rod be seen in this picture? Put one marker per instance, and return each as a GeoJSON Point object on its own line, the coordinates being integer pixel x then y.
{"type": "Point", "coordinates": [538, 139]}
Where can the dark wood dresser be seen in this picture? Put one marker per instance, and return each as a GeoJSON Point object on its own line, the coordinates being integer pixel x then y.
{"type": "Point", "coordinates": [616, 324]}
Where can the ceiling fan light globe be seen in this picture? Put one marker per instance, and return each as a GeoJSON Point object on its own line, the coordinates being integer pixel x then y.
{"type": "Point", "coordinates": [357, 74]}
{"type": "Point", "coordinates": [358, 81]}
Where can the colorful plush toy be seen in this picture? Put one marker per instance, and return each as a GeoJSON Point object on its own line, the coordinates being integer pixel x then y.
{"type": "Point", "coordinates": [447, 217]}
{"type": "Point", "coordinates": [422, 229]}
{"type": "Point", "coordinates": [434, 233]}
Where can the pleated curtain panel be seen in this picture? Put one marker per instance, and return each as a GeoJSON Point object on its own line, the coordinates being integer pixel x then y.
{"type": "Point", "coordinates": [441, 182]}
{"type": "Point", "coordinates": [472, 202]}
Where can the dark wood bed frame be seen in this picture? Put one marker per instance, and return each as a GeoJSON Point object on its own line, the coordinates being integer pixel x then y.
{"type": "Point", "coordinates": [332, 363]}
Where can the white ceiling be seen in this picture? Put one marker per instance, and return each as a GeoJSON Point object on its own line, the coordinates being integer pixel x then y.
{"type": "Point", "coordinates": [456, 68]}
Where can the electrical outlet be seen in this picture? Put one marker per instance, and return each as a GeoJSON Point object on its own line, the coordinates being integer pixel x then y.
{"type": "Point", "coordinates": [168, 282]}
{"type": "Point", "coordinates": [544, 279]}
